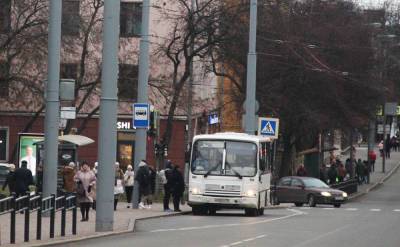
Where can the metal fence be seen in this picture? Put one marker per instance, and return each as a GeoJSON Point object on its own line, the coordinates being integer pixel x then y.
{"type": "Point", "coordinates": [48, 206]}
{"type": "Point", "coordinates": [349, 186]}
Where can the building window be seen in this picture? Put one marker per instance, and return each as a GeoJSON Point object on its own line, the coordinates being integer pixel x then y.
{"type": "Point", "coordinates": [4, 79]}
{"type": "Point", "coordinates": [5, 16]}
{"type": "Point", "coordinates": [70, 18]}
{"type": "Point", "coordinates": [127, 82]}
{"type": "Point", "coordinates": [69, 71]}
{"type": "Point", "coordinates": [3, 144]}
{"type": "Point", "coordinates": [130, 19]}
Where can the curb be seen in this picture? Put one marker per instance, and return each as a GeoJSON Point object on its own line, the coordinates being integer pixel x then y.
{"type": "Point", "coordinates": [375, 185]}
{"type": "Point", "coordinates": [131, 229]}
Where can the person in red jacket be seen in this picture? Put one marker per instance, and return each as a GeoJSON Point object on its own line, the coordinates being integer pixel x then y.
{"type": "Point", "coordinates": [372, 158]}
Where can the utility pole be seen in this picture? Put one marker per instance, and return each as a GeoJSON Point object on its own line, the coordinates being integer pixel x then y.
{"type": "Point", "coordinates": [52, 100]}
{"type": "Point", "coordinates": [142, 96]}
{"type": "Point", "coordinates": [250, 103]}
{"type": "Point", "coordinates": [108, 118]}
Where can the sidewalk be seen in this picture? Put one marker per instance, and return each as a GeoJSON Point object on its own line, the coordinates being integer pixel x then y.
{"type": "Point", "coordinates": [124, 221]}
{"type": "Point", "coordinates": [377, 177]}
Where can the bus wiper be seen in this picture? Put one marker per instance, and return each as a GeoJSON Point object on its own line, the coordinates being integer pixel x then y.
{"type": "Point", "coordinates": [209, 171]}
{"type": "Point", "coordinates": [234, 171]}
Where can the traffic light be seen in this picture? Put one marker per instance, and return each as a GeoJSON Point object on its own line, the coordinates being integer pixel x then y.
{"type": "Point", "coordinates": [154, 115]}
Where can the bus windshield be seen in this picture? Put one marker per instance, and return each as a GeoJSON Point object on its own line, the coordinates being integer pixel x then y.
{"type": "Point", "coordinates": [240, 159]}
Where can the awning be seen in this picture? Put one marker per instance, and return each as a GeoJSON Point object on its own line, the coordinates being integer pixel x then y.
{"type": "Point", "coordinates": [76, 139]}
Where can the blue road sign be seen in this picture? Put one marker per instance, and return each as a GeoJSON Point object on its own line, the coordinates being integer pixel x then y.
{"type": "Point", "coordinates": [268, 127]}
{"type": "Point", "coordinates": [141, 115]}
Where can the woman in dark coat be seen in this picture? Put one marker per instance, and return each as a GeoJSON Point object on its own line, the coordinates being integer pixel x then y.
{"type": "Point", "coordinates": [10, 179]}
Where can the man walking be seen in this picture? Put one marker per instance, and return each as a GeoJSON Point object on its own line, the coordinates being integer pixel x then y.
{"type": "Point", "coordinates": [23, 178]}
{"type": "Point", "coordinates": [177, 187]}
{"type": "Point", "coordinates": [143, 179]}
{"type": "Point", "coordinates": [165, 175]}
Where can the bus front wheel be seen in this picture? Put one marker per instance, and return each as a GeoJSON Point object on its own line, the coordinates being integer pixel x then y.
{"type": "Point", "coordinates": [199, 210]}
{"type": "Point", "coordinates": [253, 212]}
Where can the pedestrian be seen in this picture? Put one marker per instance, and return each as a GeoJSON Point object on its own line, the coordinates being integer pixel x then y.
{"type": "Point", "coordinates": [93, 191]}
{"type": "Point", "coordinates": [153, 177]}
{"type": "Point", "coordinates": [301, 171]}
{"type": "Point", "coordinates": [143, 178]}
{"type": "Point", "coordinates": [388, 147]}
{"type": "Point", "coordinates": [165, 175]}
{"type": "Point", "coordinates": [129, 181]}
{"type": "Point", "coordinates": [118, 184]}
{"type": "Point", "coordinates": [10, 179]}
{"type": "Point", "coordinates": [380, 147]}
{"type": "Point", "coordinates": [177, 187]}
{"type": "Point", "coordinates": [39, 178]}
{"type": "Point", "coordinates": [360, 172]}
{"type": "Point", "coordinates": [23, 179]}
{"type": "Point", "coordinates": [68, 175]}
{"type": "Point", "coordinates": [341, 172]}
{"type": "Point", "coordinates": [85, 179]}
{"type": "Point", "coordinates": [367, 170]}
{"type": "Point", "coordinates": [372, 158]}
{"type": "Point", "coordinates": [332, 173]}
{"type": "Point", "coordinates": [393, 143]}
{"type": "Point", "coordinates": [322, 173]}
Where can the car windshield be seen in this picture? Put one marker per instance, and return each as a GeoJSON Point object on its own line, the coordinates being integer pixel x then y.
{"type": "Point", "coordinates": [312, 182]}
{"type": "Point", "coordinates": [240, 159]}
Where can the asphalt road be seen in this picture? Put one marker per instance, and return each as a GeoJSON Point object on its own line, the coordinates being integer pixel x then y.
{"type": "Point", "coordinates": [372, 221]}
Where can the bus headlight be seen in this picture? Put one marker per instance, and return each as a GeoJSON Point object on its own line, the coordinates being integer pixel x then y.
{"type": "Point", "coordinates": [195, 191]}
{"type": "Point", "coordinates": [251, 193]}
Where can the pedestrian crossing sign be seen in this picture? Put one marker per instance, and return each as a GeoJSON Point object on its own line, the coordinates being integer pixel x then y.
{"type": "Point", "coordinates": [268, 127]}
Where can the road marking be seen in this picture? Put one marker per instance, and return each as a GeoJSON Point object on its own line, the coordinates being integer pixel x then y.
{"type": "Point", "coordinates": [375, 210]}
{"type": "Point", "coordinates": [351, 209]}
{"type": "Point", "coordinates": [295, 213]}
{"type": "Point", "coordinates": [328, 208]}
{"type": "Point", "coordinates": [305, 243]}
{"type": "Point", "coordinates": [396, 210]}
{"type": "Point", "coordinates": [244, 240]}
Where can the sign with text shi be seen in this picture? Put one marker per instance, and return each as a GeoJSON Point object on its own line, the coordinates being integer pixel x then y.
{"type": "Point", "coordinates": [141, 115]}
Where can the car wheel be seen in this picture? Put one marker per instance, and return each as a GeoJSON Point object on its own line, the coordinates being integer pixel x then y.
{"type": "Point", "coordinates": [261, 211]}
{"type": "Point", "coordinates": [311, 201]}
{"type": "Point", "coordinates": [298, 204]}
{"type": "Point", "coordinates": [252, 212]}
{"type": "Point", "coordinates": [336, 205]}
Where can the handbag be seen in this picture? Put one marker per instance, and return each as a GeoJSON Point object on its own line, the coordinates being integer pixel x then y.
{"type": "Point", "coordinates": [118, 188]}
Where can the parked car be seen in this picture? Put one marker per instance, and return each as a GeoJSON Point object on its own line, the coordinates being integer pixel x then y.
{"type": "Point", "coordinates": [301, 190]}
{"type": "Point", "coordinates": [3, 172]}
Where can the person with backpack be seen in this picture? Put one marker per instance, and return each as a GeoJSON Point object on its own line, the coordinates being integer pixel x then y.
{"type": "Point", "coordinates": [143, 179]}
{"type": "Point", "coordinates": [165, 175]}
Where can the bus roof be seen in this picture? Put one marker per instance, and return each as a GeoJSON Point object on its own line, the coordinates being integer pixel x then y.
{"type": "Point", "coordinates": [233, 136]}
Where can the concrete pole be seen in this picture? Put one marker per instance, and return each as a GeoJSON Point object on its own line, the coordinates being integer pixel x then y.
{"type": "Point", "coordinates": [384, 141]}
{"type": "Point", "coordinates": [142, 97]}
{"type": "Point", "coordinates": [52, 100]}
{"type": "Point", "coordinates": [250, 106]}
{"type": "Point", "coordinates": [108, 118]}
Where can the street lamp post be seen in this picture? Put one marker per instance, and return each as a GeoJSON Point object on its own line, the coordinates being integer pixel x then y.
{"type": "Point", "coordinates": [250, 104]}
{"type": "Point", "coordinates": [52, 100]}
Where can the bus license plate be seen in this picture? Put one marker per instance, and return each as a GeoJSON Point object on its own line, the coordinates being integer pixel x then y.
{"type": "Point", "coordinates": [221, 200]}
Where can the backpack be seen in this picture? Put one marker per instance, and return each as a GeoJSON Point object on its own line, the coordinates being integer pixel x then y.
{"type": "Point", "coordinates": [80, 190]}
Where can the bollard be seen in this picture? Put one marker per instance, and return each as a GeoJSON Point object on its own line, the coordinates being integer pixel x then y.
{"type": "Point", "coordinates": [26, 227]}
{"type": "Point", "coordinates": [74, 214]}
{"type": "Point", "coordinates": [52, 214]}
{"type": "Point", "coordinates": [63, 215]}
{"type": "Point", "coordinates": [39, 219]}
{"type": "Point", "coordinates": [12, 220]}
